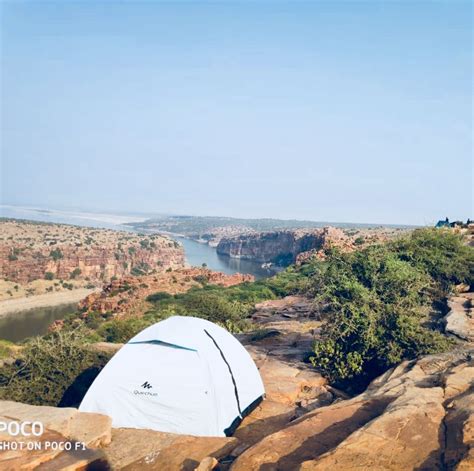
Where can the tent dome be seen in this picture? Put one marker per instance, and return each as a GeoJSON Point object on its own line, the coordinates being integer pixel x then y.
{"type": "Point", "coordinates": [182, 375]}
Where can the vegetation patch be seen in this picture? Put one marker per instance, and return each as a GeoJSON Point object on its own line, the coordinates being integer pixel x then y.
{"type": "Point", "coordinates": [376, 303]}
{"type": "Point", "coordinates": [48, 368]}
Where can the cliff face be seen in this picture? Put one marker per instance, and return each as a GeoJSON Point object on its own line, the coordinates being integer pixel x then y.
{"type": "Point", "coordinates": [282, 247]}
{"type": "Point", "coordinates": [31, 251]}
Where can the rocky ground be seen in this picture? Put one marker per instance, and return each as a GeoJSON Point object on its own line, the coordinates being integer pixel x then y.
{"type": "Point", "coordinates": [417, 416]}
{"type": "Point", "coordinates": [37, 258]}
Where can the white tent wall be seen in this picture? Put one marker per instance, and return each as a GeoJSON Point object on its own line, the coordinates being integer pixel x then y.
{"type": "Point", "coordinates": [178, 404]}
{"type": "Point", "coordinates": [177, 376]}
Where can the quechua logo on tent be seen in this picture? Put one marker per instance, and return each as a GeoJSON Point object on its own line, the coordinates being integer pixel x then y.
{"type": "Point", "coordinates": [145, 385]}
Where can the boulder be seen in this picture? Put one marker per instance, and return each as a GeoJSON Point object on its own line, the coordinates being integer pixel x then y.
{"type": "Point", "coordinates": [207, 464]}
{"type": "Point", "coordinates": [289, 384]}
{"type": "Point", "coordinates": [460, 321]}
{"type": "Point", "coordinates": [53, 418]}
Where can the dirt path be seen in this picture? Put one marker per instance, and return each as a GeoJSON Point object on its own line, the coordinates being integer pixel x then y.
{"type": "Point", "coordinates": [10, 306]}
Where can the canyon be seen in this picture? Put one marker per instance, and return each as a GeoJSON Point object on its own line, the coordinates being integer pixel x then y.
{"type": "Point", "coordinates": [36, 258]}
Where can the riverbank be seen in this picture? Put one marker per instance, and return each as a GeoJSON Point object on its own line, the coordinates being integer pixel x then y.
{"type": "Point", "coordinates": [12, 306]}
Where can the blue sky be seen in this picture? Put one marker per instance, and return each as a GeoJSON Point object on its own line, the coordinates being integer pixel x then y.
{"type": "Point", "coordinates": [334, 111]}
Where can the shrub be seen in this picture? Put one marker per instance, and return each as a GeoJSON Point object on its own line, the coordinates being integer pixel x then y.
{"type": "Point", "coordinates": [6, 349]}
{"type": "Point", "coordinates": [376, 303]}
{"type": "Point", "coordinates": [441, 253]}
{"type": "Point", "coordinates": [159, 296]}
{"type": "Point", "coordinates": [49, 275]}
{"type": "Point", "coordinates": [47, 367]}
{"type": "Point", "coordinates": [56, 254]}
{"type": "Point", "coordinates": [75, 273]}
{"type": "Point", "coordinates": [121, 330]}
{"type": "Point", "coordinates": [201, 279]}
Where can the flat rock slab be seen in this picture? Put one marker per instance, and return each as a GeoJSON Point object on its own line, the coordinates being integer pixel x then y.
{"type": "Point", "coordinates": [405, 436]}
{"type": "Point", "coordinates": [53, 418]}
{"type": "Point", "coordinates": [185, 453]}
{"type": "Point", "coordinates": [92, 429]}
{"type": "Point", "coordinates": [131, 445]}
{"type": "Point", "coordinates": [308, 437]}
{"type": "Point", "coordinates": [267, 418]}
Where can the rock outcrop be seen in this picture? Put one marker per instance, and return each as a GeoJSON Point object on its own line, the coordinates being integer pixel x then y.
{"type": "Point", "coordinates": [416, 416]}
{"type": "Point", "coordinates": [419, 415]}
{"type": "Point", "coordinates": [459, 320]}
{"type": "Point", "coordinates": [410, 418]}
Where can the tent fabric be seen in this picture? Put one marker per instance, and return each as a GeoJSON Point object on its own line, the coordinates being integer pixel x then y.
{"type": "Point", "coordinates": [182, 375]}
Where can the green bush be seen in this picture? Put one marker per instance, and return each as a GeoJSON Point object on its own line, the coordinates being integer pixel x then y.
{"type": "Point", "coordinates": [75, 273]}
{"type": "Point", "coordinates": [56, 254]}
{"type": "Point", "coordinates": [376, 303]}
{"type": "Point", "coordinates": [229, 307]}
{"type": "Point", "coordinates": [159, 296]}
{"type": "Point", "coordinates": [47, 368]}
{"type": "Point", "coordinates": [121, 330]}
{"type": "Point", "coordinates": [49, 275]}
{"type": "Point", "coordinates": [441, 253]}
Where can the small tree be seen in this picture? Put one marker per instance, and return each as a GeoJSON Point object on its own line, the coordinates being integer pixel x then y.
{"type": "Point", "coordinates": [56, 254]}
{"type": "Point", "coordinates": [75, 273]}
{"type": "Point", "coordinates": [49, 275]}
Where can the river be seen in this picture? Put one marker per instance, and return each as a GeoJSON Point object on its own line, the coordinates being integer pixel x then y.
{"type": "Point", "coordinates": [30, 322]}
{"type": "Point", "coordinates": [22, 324]}
{"type": "Point", "coordinates": [197, 254]}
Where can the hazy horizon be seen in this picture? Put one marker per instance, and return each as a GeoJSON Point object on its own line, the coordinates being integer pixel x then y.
{"type": "Point", "coordinates": [320, 111]}
{"type": "Point", "coordinates": [134, 216]}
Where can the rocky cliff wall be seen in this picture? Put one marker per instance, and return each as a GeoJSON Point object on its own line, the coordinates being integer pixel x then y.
{"type": "Point", "coordinates": [282, 247]}
{"type": "Point", "coordinates": [31, 251]}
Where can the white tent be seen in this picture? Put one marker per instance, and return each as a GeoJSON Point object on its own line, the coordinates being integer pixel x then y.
{"type": "Point", "coordinates": [183, 375]}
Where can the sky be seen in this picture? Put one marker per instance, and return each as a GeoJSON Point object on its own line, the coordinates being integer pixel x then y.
{"type": "Point", "coordinates": [329, 111]}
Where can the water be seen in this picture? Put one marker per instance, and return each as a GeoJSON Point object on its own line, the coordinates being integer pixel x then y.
{"type": "Point", "coordinates": [20, 325]}
{"type": "Point", "coordinates": [197, 254]}
{"type": "Point", "coordinates": [36, 321]}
